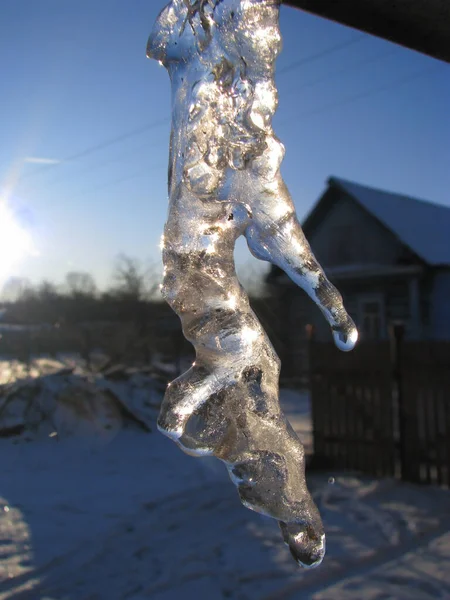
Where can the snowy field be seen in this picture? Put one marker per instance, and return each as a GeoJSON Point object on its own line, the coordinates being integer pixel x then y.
{"type": "Point", "coordinates": [128, 516]}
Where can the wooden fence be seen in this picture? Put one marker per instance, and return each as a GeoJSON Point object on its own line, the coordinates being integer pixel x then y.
{"type": "Point", "coordinates": [383, 409]}
{"type": "Point", "coordinates": [425, 411]}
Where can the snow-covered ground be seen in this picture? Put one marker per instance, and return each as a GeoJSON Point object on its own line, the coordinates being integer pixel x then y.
{"type": "Point", "coordinates": [131, 517]}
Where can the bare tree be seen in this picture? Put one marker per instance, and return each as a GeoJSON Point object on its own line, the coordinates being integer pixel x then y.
{"type": "Point", "coordinates": [135, 286]}
{"type": "Point", "coordinates": [15, 288]}
{"type": "Point", "coordinates": [133, 280]}
{"type": "Point", "coordinates": [80, 285]}
{"type": "Point", "coordinates": [47, 291]}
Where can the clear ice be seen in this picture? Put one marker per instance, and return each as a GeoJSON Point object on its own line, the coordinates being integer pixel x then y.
{"type": "Point", "coordinates": [224, 182]}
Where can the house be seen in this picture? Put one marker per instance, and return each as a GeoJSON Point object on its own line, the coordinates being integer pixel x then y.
{"type": "Point", "coordinates": [389, 256]}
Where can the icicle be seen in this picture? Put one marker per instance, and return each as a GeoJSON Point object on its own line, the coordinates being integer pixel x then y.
{"type": "Point", "coordinates": [224, 181]}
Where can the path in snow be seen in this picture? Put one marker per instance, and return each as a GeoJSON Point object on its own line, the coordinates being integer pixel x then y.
{"type": "Point", "coordinates": [135, 518]}
{"type": "Point", "coordinates": [138, 519]}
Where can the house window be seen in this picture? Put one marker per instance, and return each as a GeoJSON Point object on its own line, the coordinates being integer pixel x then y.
{"type": "Point", "coordinates": [371, 320]}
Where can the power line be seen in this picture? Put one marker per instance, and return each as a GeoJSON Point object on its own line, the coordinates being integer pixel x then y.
{"type": "Point", "coordinates": [364, 94]}
{"type": "Point", "coordinates": [313, 82]}
{"type": "Point", "coordinates": [134, 132]}
{"type": "Point", "coordinates": [313, 57]}
{"type": "Point", "coordinates": [101, 145]}
{"type": "Point", "coordinates": [318, 110]}
{"type": "Point", "coordinates": [110, 182]}
{"type": "Point", "coordinates": [118, 138]}
{"type": "Point", "coordinates": [92, 167]}
{"type": "Point", "coordinates": [347, 100]}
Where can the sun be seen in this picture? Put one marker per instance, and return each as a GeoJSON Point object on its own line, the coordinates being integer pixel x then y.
{"type": "Point", "coordinates": [15, 241]}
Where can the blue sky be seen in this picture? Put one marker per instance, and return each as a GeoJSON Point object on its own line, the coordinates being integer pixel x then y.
{"type": "Point", "coordinates": [77, 89]}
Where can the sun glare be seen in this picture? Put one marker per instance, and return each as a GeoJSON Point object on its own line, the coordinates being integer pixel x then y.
{"type": "Point", "coordinates": [15, 242]}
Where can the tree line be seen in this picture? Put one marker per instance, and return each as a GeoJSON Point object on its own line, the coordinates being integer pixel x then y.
{"type": "Point", "coordinates": [133, 292]}
{"type": "Point", "coordinates": [129, 321]}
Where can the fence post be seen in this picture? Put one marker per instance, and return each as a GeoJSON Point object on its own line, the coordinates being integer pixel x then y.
{"type": "Point", "coordinates": [310, 339]}
{"type": "Point", "coordinates": [396, 334]}
{"type": "Point", "coordinates": [314, 387]}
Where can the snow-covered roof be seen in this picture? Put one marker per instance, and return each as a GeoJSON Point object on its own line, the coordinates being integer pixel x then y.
{"type": "Point", "coordinates": [421, 225]}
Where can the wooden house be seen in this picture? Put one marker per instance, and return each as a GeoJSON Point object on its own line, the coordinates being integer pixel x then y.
{"type": "Point", "coordinates": [389, 256]}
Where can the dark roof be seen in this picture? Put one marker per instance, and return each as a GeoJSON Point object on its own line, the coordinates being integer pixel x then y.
{"type": "Point", "coordinates": [423, 226]}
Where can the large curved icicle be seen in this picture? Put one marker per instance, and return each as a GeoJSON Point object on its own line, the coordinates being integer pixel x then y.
{"type": "Point", "coordinates": [224, 182]}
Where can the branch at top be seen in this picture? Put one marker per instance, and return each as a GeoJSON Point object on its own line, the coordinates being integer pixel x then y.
{"type": "Point", "coordinates": [422, 25]}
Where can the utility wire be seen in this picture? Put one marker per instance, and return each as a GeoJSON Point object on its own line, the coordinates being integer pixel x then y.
{"type": "Point", "coordinates": [118, 138]}
{"type": "Point", "coordinates": [134, 132]}
{"type": "Point", "coordinates": [313, 57]}
{"type": "Point", "coordinates": [318, 110]}
{"type": "Point", "coordinates": [295, 65]}
{"type": "Point", "coordinates": [146, 170]}
{"type": "Point", "coordinates": [364, 94]}
{"type": "Point", "coordinates": [92, 167]}
{"type": "Point", "coordinates": [100, 146]}
{"type": "Point", "coordinates": [326, 76]}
